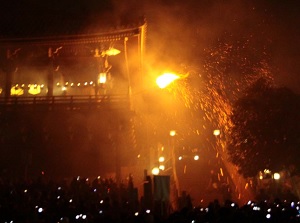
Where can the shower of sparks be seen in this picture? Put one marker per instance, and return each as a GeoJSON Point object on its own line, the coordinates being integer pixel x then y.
{"type": "Point", "coordinates": [208, 93]}
{"type": "Point", "coordinates": [203, 100]}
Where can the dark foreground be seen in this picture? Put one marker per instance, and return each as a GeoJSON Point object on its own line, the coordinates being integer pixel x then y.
{"type": "Point", "coordinates": [102, 200]}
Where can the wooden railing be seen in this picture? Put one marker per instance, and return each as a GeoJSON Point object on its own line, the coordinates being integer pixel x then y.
{"type": "Point", "coordinates": [78, 102]}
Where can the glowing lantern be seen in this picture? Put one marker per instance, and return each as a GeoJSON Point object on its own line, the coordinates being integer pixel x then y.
{"type": "Point", "coordinates": [276, 176]}
{"type": "Point", "coordinates": [102, 78]}
{"type": "Point", "coordinates": [34, 89]}
{"type": "Point", "coordinates": [155, 171]}
{"type": "Point", "coordinates": [16, 91]}
{"type": "Point", "coordinates": [161, 159]}
{"type": "Point", "coordinates": [172, 133]}
{"type": "Point", "coordinates": [161, 167]}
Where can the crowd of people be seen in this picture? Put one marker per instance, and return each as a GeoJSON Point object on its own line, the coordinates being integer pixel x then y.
{"type": "Point", "coordinates": [103, 200]}
{"type": "Point", "coordinates": [80, 200]}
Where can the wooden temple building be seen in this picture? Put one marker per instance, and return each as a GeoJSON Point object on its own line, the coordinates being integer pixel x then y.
{"type": "Point", "coordinates": [65, 96]}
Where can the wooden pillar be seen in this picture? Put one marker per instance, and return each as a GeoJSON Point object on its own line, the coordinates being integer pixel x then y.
{"type": "Point", "coordinates": [9, 71]}
{"type": "Point", "coordinates": [97, 61]}
{"type": "Point", "coordinates": [50, 73]}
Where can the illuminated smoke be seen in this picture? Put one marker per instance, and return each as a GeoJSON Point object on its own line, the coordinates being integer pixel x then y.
{"type": "Point", "coordinates": [216, 46]}
{"type": "Point", "coordinates": [208, 92]}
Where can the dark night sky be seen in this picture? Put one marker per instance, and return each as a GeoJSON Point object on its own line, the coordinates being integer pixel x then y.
{"type": "Point", "coordinates": [174, 27]}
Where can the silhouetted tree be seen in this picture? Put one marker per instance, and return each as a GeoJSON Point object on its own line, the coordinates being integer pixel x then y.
{"type": "Point", "coordinates": [265, 131]}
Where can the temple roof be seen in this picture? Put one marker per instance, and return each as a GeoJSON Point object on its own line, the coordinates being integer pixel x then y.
{"type": "Point", "coordinates": [104, 36]}
{"type": "Point", "coordinates": [64, 22]}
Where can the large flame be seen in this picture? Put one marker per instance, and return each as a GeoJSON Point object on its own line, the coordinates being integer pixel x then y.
{"type": "Point", "coordinates": [166, 79]}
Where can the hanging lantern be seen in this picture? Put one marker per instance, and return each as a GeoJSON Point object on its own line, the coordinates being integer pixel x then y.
{"type": "Point", "coordinates": [102, 78]}
{"type": "Point", "coordinates": [34, 89]}
{"type": "Point", "coordinates": [16, 91]}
